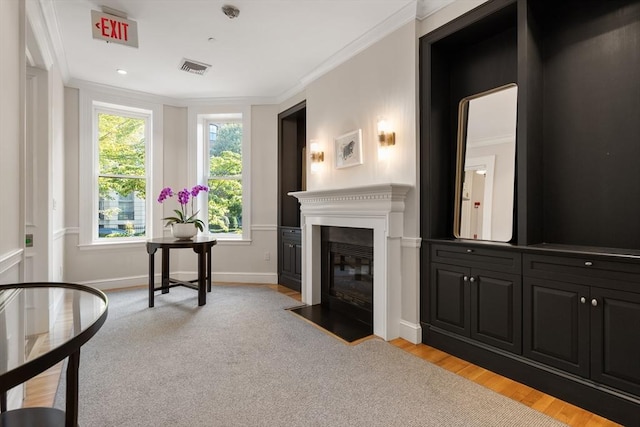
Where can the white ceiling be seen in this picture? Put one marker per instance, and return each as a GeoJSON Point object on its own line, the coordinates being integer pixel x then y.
{"type": "Point", "coordinates": [271, 50]}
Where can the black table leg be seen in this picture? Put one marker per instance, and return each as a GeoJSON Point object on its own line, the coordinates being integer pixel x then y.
{"type": "Point", "coordinates": [151, 277]}
{"type": "Point", "coordinates": [202, 261]}
{"type": "Point", "coordinates": [209, 269]}
{"type": "Point", "coordinates": [165, 270]}
{"type": "Point", "coordinates": [71, 410]}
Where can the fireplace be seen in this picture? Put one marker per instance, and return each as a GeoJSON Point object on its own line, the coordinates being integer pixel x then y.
{"type": "Point", "coordinates": [347, 272]}
{"type": "Point", "coordinates": [380, 209]}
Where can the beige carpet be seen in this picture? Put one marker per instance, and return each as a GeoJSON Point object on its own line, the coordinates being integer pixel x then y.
{"type": "Point", "coordinates": [243, 360]}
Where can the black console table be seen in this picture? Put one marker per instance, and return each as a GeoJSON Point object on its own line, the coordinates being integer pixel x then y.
{"type": "Point", "coordinates": [201, 245]}
{"type": "Point", "coordinates": [19, 327]}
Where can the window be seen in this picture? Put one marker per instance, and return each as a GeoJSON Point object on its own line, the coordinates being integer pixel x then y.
{"type": "Point", "coordinates": [224, 177]}
{"type": "Point", "coordinates": [219, 148]}
{"type": "Point", "coordinates": [120, 168]}
{"type": "Point", "coordinates": [120, 159]}
{"type": "Point", "coordinates": [121, 142]}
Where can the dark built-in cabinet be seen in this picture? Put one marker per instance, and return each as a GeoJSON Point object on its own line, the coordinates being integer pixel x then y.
{"type": "Point", "coordinates": [558, 306]}
{"type": "Point", "coordinates": [290, 256]}
{"type": "Point", "coordinates": [292, 136]}
{"type": "Point", "coordinates": [581, 318]}
{"type": "Point", "coordinates": [476, 293]}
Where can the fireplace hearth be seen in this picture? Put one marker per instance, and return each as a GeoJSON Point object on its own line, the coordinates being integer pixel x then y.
{"type": "Point", "coordinates": [346, 305]}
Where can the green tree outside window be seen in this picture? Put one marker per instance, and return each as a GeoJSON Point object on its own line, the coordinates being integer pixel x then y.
{"type": "Point", "coordinates": [121, 174]}
{"type": "Point", "coordinates": [225, 178]}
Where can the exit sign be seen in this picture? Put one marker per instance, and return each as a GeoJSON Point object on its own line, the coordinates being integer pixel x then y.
{"type": "Point", "coordinates": [114, 29]}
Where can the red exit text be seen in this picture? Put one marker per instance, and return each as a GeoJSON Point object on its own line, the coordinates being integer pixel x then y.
{"type": "Point", "coordinates": [114, 29]}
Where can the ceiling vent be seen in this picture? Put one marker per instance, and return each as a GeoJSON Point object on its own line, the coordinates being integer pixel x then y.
{"type": "Point", "coordinates": [194, 67]}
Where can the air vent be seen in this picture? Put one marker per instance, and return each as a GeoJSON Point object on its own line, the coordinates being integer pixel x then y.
{"type": "Point", "coordinates": [194, 67]}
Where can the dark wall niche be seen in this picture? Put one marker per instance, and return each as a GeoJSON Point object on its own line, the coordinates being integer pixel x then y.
{"type": "Point", "coordinates": [554, 308]}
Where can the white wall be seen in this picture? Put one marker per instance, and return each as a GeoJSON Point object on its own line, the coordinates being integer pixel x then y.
{"type": "Point", "coordinates": [126, 265]}
{"type": "Point", "coordinates": [380, 81]}
{"type": "Point", "coordinates": [12, 88]}
{"type": "Point", "coordinates": [58, 196]}
{"type": "Point", "coordinates": [12, 84]}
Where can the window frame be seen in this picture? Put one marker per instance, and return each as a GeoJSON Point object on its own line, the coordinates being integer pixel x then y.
{"type": "Point", "coordinates": [120, 111]}
{"type": "Point", "coordinates": [198, 118]}
{"type": "Point", "coordinates": [218, 119]}
{"type": "Point", "coordinates": [92, 103]}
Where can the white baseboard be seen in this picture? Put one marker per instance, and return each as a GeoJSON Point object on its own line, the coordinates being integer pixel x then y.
{"type": "Point", "coordinates": [267, 278]}
{"type": "Point", "coordinates": [411, 332]}
{"type": "Point", "coordinates": [143, 280]}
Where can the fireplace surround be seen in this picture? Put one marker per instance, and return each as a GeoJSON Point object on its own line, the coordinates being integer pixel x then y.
{"type": "Point", "coordinates": [379, 208]}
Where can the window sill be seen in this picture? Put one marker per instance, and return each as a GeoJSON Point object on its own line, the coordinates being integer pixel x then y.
{"type": "Point", "coordinates": [113, 245]}
{"type": "Point", "coordinates": [124, 244]}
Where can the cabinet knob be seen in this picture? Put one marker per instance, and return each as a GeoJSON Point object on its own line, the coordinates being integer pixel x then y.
{"type": "Point", "coordinates": [469, 251]}
{"type": "Point", "coordinates": [472, 279]}
{"type": "Point", "coordinates": [465, 279]}
{"type": "Point", "coordinates": [594, 302]}
{"type": "Point", "coordinates": [588, 263]}
{"type": "Point", "coordinates": [583, 300]}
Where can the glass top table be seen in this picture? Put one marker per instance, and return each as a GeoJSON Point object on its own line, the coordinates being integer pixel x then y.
{"type": "Point", "coordinates": [34, 337]}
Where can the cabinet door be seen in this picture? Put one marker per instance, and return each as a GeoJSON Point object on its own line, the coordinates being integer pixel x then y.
{"type": "Point", "coordinates": [297, 254]}
{"type": "Point", "coordinates": [450, 298]}
{"type": "Point", "coordinates": [556, 324]}
{"type": "Point", "coordinates": [290, 258]}
{"type": "Point", "coordinates": [615, 357]}
{"type": "Point", "coordinates": [496, 302]}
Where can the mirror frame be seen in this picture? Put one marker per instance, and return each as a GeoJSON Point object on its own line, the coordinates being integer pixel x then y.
{"type": "Point", "coordinates": [461, 151]}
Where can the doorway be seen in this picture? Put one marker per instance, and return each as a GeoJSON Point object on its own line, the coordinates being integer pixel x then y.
{"type": "Point", "coordinates": [292, 137]}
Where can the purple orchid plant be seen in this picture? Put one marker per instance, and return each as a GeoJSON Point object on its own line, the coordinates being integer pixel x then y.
{"type": "Point", "coordinates": [184, 196]}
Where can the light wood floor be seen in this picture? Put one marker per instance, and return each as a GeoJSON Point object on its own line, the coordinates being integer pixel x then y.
{"type": "Point", "coordinates": [41, 390]}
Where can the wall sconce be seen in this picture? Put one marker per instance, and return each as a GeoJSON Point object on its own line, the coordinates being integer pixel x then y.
{"type": "Point", "coordinates": [316, 156]}
{"type": "Point", "coordinates": [386, 137]}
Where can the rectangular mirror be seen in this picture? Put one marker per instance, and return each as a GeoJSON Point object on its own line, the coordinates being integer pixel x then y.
{"type": "Point", "coordinates": [485, 167]}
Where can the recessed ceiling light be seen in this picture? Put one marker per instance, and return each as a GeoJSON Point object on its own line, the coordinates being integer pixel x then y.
{"type": "Point", "coordinates": [121, 71]}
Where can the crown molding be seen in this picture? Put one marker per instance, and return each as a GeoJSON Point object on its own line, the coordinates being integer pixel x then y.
{"type": "Point", "coordinates": [50, 22]}
{"type": "Point", "coordinates": [386, 27]}
{"type": "Point", "coordinates": [426, 8]}
{"type": "Point", "coordinates": [40, 54]}
{"type": "Point", "coordinates": [176, 102]}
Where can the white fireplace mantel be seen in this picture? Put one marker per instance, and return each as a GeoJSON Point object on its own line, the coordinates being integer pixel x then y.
{"type": "Point", "coordinates": [376, 207]}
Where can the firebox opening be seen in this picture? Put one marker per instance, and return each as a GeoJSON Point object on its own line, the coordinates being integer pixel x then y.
{"type": "Point", "coordinates": [346, 306]}
{"type": "Point", "coordinates": [347, 272]}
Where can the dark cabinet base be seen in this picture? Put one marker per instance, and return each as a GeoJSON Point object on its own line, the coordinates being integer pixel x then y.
{"type": "Point", "coordinates": [290, 258]}
{"type": "Point", "coordinates": [561, 322]}
{"type": "Point", "coordinates": [609, 403]}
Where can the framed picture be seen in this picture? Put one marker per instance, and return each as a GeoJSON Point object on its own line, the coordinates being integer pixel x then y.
{"type": "Point", "coordinates": [349, 149]}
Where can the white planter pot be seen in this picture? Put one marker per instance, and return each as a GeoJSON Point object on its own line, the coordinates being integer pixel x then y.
{"type": "Point", "coordinates": [184, 231]}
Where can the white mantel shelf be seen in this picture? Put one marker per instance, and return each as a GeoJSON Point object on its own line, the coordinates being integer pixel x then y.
{"type": "Point", "coordinates": [371, 193]}
{"type": "Point", "coordinates": [376, 207]}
